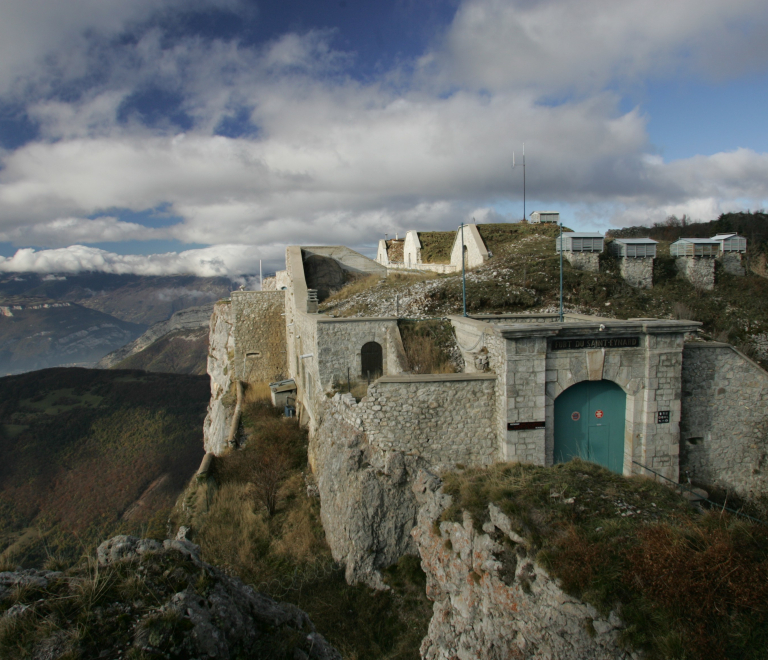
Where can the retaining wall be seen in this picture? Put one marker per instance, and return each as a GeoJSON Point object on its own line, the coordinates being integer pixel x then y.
{"type": "Point", "coordinates": [732, 263]}
{"type": "Point", "coordinates": [443, 418]}
{"type": "Point", "coordinates": [637, 272]}
{"type": "Point", "coordinates": [724, 426]}
{"type": "Point", "coordinates": [586, 261]}
{"type": "Point", "coordinates": [699, 271]}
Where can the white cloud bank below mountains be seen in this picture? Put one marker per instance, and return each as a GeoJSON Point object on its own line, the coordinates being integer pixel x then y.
{"type": "Point", "coordinates": [331, 159]}
{"type": "Point", "coordinates": [219, 261]}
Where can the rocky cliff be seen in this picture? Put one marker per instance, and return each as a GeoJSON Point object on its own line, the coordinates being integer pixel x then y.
{"type": "Point", "coordinates": [492, 600]}
{"type": "Point", "coordinates": [220, 356]}
{"type": "Point", "coordinates": [368, 507]}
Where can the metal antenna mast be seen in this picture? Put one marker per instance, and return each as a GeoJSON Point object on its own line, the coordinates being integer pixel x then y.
{"type": "Point", "coordinates": [463, 273]}
{"type": "Point", "coordinates": [513, 166]}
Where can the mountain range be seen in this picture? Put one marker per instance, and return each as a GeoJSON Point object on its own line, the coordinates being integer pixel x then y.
{"type": "Point", "coordinates": [56, 319]}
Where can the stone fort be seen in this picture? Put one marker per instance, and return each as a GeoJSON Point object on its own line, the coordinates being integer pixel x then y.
{"type": "Point", "coordinates": [530, 390]}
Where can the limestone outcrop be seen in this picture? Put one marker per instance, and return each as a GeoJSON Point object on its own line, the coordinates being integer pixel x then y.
{"type": "Point", "coordinates": [492, 600]}
{"type": "Point", "coordinates": [223, 398]}
{"type": "Point", "coordinates": [368, 506]}
{"type": "Point", "coordinates": [153, 599]}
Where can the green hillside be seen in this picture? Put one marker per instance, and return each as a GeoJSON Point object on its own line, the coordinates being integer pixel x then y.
{"type": "Point", "coordinates": [91, 453]}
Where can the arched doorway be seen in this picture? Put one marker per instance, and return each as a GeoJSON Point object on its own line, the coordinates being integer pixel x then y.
{"type": "Point", "coordinates": [371, 361]}
{"type": "Point", "coordinates": [589, 423]}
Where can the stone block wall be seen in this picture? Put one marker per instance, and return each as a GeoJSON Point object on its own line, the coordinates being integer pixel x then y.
{"type": "Point", "coordinates": [258, 319]}
{"type": "Point", "coordinates": [444, 419]}
{"type": "Point", "coordinates": [699, 271]}
{"type": "Point", "coordinates": [637, 272]}
{"type": "Point", "coordinates": [525, 377]}
{"type": "Point", "coordinates": [732, 263]}
{"type": "Point", "coordinates": [725, 419]}
{"type": "Point", "coordinates": [339, 345]}
{"type": "Point", "coordinates": [586, 261]}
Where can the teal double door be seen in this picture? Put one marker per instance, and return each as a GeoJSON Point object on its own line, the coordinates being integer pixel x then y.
{"type": "Point", "coordinates": [589, 423]}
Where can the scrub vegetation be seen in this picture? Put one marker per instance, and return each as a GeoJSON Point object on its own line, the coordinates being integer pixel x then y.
{"type": "Point", "coordinates": [430, 346]}
{"type": "Point", "coordinates": [687, 584]}
{"type": "Point", "coordinates": [279, 546]}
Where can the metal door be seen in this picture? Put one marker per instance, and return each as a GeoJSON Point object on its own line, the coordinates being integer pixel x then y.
{"type": "Point", "coordinates": [589, 423]}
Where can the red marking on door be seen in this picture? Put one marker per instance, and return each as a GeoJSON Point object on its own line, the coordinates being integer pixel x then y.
{"type": "Point", "coordinates": [599, 414]}
{"type": "Point", "coordinates": [576, 416]}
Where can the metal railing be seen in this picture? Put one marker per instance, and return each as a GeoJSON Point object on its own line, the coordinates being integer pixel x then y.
{"type": "Point", "coordinates": [683, 487]}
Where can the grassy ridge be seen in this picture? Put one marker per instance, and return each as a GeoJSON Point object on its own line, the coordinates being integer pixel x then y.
{"type": "Point", "coordinates": [90, 453]}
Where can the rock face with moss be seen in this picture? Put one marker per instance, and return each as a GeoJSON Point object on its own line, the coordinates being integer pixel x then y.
{"type": "Point", "coordinates": [146, 599]}
{"type": "Point", "coordinates": [491, 598]}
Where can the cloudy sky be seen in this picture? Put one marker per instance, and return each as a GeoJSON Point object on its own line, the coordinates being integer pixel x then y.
{"type": "Point", "coordinates": [167, 136]}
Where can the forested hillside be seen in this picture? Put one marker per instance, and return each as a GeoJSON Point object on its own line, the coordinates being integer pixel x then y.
{"type": "Point", "coordinates": [91, 453]}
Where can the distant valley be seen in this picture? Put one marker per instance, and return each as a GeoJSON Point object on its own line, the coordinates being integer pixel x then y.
{"type": "Point", "coordinates": [76, 320]}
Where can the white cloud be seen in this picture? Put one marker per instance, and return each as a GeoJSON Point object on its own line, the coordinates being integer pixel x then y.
{"type": "Point", "coordinates": [65, 231]}
{"type": "Point", "coordinates": [338, 160]}
{"type": "Point", "coordinates": [220, 260]}
{"type": "Point", "coordinates": [38, 33]}
{"type": "Point", "coordinates": [558, 46]}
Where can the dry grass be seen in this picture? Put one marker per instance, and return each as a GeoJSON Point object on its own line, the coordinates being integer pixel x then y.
{"type": "Point", "coordinates": [428, 346]}
{"type": "Point", "coordinates": [257, 393]}
{"type": "Point", "coordinates": [436, 246]}
{"type": "Point", "coordinates": [357, 388]}
{"type": "Point", "coordinates": [424, 357]}
{"type": "Point", "coordinates": [374, 284]}
{"type": "Point", "coordinates": [360, 285]}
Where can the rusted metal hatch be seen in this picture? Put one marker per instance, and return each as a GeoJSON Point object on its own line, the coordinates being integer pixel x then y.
{"type": "Point", "coordinates": [371, 360]}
